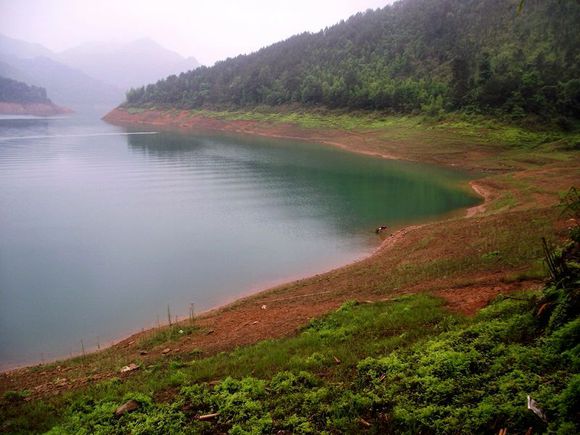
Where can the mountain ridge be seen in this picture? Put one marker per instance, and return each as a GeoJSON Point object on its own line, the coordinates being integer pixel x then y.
{"type": "Point", "coordinates": [128, 64]}
{"type": "Point", "coordinates": [78, 76]}
{"type": "Point", "coordinates": [412, 56]}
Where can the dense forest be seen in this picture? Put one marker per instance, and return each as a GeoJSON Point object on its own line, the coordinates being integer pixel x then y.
{"type": "Point", "coordinates": [12, 91]}
{"type": "Point", "coordinates": [485, 56]}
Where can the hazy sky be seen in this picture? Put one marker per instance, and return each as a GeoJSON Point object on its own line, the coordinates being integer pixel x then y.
{"type": "Point", "coordinates": [210, 30]}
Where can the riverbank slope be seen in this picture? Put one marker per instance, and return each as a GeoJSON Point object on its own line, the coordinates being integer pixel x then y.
{"type": "Point", "coordinates": [467, 260]}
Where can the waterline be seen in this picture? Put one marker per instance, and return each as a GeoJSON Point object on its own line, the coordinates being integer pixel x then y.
{"type": "Point", "coordinates": [80, 135]}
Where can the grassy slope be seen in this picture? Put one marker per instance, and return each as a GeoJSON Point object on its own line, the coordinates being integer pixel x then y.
{"type": "Point", "coordinates": [296, 382]}
{"type": "Point", "coordinates": [406, 365]}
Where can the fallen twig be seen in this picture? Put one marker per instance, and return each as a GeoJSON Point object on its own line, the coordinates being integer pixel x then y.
{"type": "Point", "coordinates": [208, 416]}
{"type": "Point", "coordinates": [364, 422]}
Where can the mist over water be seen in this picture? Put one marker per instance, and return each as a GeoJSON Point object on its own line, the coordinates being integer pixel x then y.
{"type": "Point", "coordinates": [100, 229]}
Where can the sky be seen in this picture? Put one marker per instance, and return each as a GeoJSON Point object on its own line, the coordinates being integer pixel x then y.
{"type": "Point", "coordinates": [209, 30]}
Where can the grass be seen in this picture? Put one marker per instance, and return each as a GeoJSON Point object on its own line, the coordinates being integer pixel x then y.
{"type": "Point", "coordinates": [400, 366]}
{"type": "Point", "coordinates": [477, 128]}
{"type": "Point", "coordinates": [353, 332]}
{"type": "Point", "coordinates": [499, 242]}
{"type": "Point", "coordinates": [134, 110]}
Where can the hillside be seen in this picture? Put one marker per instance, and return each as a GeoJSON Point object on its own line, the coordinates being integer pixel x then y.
{"type": "Point", "coordinates": [416, 55]}
{"type": "Point", "coordinates": [22, 99]}
{"type": "Point", "coordinates": [127, 65]}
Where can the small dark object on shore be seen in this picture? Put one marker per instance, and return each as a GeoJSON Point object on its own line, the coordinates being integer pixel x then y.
{"type": "Point", "coordinates": [381, 229]}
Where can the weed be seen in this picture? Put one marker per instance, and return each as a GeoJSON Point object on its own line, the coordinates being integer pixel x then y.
{"type": "Point", "coordinates": [166, 334]}
{"type": "Point", "coordinates": [15, 396]}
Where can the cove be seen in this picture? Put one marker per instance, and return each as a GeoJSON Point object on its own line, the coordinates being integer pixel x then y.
{"type": "Point", "coordinates": [103, 227]}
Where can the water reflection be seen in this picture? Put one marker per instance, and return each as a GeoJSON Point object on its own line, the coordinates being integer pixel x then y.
{"type": "Point", "coordinates": [348, 190]}
{"type": "Point", "coordinates": [15, 127]}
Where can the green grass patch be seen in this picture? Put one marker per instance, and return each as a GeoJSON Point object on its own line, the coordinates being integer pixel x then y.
{"type": "Point", "coordinates": [477, 128]}
{"type": "Point", "coordinates": [401, 366]}
{"type": "Point", "coordinates": [505, 201]}
{"type": "Point", "coordinates": [351, 333]}
{"type": "Point", "coordinates": [405, 366]}
{"type": "Point", "coordinates": [135, 110]}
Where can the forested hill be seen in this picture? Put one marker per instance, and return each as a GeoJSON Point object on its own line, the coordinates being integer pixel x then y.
{"type": "Point", "coordinates": [12, 91]}
{"type": "Point", "coordinates": [428, 55]}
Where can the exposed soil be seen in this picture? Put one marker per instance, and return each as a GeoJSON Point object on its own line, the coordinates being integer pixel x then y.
{"type": "Point", "coordinates": [391, 271]}
{"type": "Point", "coordinates": [372, 143]}
{"type": "Point", "coordinates": [36, 109]}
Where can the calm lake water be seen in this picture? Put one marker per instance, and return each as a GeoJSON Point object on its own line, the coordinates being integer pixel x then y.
{"type": "Point", "coordinates": [100, 230]}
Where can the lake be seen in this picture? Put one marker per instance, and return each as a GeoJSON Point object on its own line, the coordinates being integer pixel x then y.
{"type": "Point", "coordinates": [101, 228]}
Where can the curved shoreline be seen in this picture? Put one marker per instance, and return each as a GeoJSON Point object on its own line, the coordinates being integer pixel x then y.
{"type": "Point", "coordinates": [387, 243]}
{"type": "Point", "coordinates": [390, 241]}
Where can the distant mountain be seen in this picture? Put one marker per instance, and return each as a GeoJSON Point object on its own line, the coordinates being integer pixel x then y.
{"type": "Point", "coordinates": [127, 65]}
{"type": "Point", "coordinates": [66, 85]}
{"type": "Point", "coordinates": [92, 73]}
{"type": "Point", "coordinates": [38, 66]}
{"type": "Point", "coordinates": [22, 49]}
{"type": "Point", "coordinates": [21, 99]}
{"type": "Point", "coordinates": [413, 56]}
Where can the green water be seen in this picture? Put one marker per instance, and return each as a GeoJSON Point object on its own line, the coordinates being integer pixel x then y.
{"type": "Point", "coordinates": [101, 230]}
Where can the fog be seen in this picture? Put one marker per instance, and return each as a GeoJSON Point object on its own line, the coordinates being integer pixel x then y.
{"type": "Point", "coordinates": [207, 30]}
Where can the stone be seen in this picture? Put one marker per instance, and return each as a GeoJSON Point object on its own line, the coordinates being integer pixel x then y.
{"type": "Point", "coordinates": [130, 406]}
{"type": "Point", "coordinates": [60, 382]}
{"type": "Point", "coordinates": [131, 367]}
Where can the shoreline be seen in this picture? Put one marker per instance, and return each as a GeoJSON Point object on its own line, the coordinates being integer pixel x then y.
{"type": "Point", "coordinates": [230, 127]}
{"type": "Point", "coordinates": [224, 126]}
{"type": "Point", "coordinates": [183, 120]}
{"type": "Point", "coordinates": [259, 289]}
{"type": "Point", "coordinates": [443, 257]}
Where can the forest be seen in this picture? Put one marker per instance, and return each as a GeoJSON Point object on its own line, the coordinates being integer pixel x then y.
{"type": "Point", "coordinates": [12, 91]}
{"type": "Point", "coordinates": [480, 56]}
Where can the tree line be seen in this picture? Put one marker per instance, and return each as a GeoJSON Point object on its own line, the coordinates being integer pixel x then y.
{"type": "Point", "coordinates": [416, 55]}
{"type": "Point", "coordinates": [13, 91]}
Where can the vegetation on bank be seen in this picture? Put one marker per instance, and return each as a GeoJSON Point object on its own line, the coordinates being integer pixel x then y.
{"type": "Point", "coordinates": [405, 365]}
{"type": "Point", "coordinates": [12, 91]}
{"type": "Point", "coordinates": [499, 143]}
{"type": "Point", "coordinates": [413, 56]}
{"type": "Point", "coordinates": [479, 129]}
